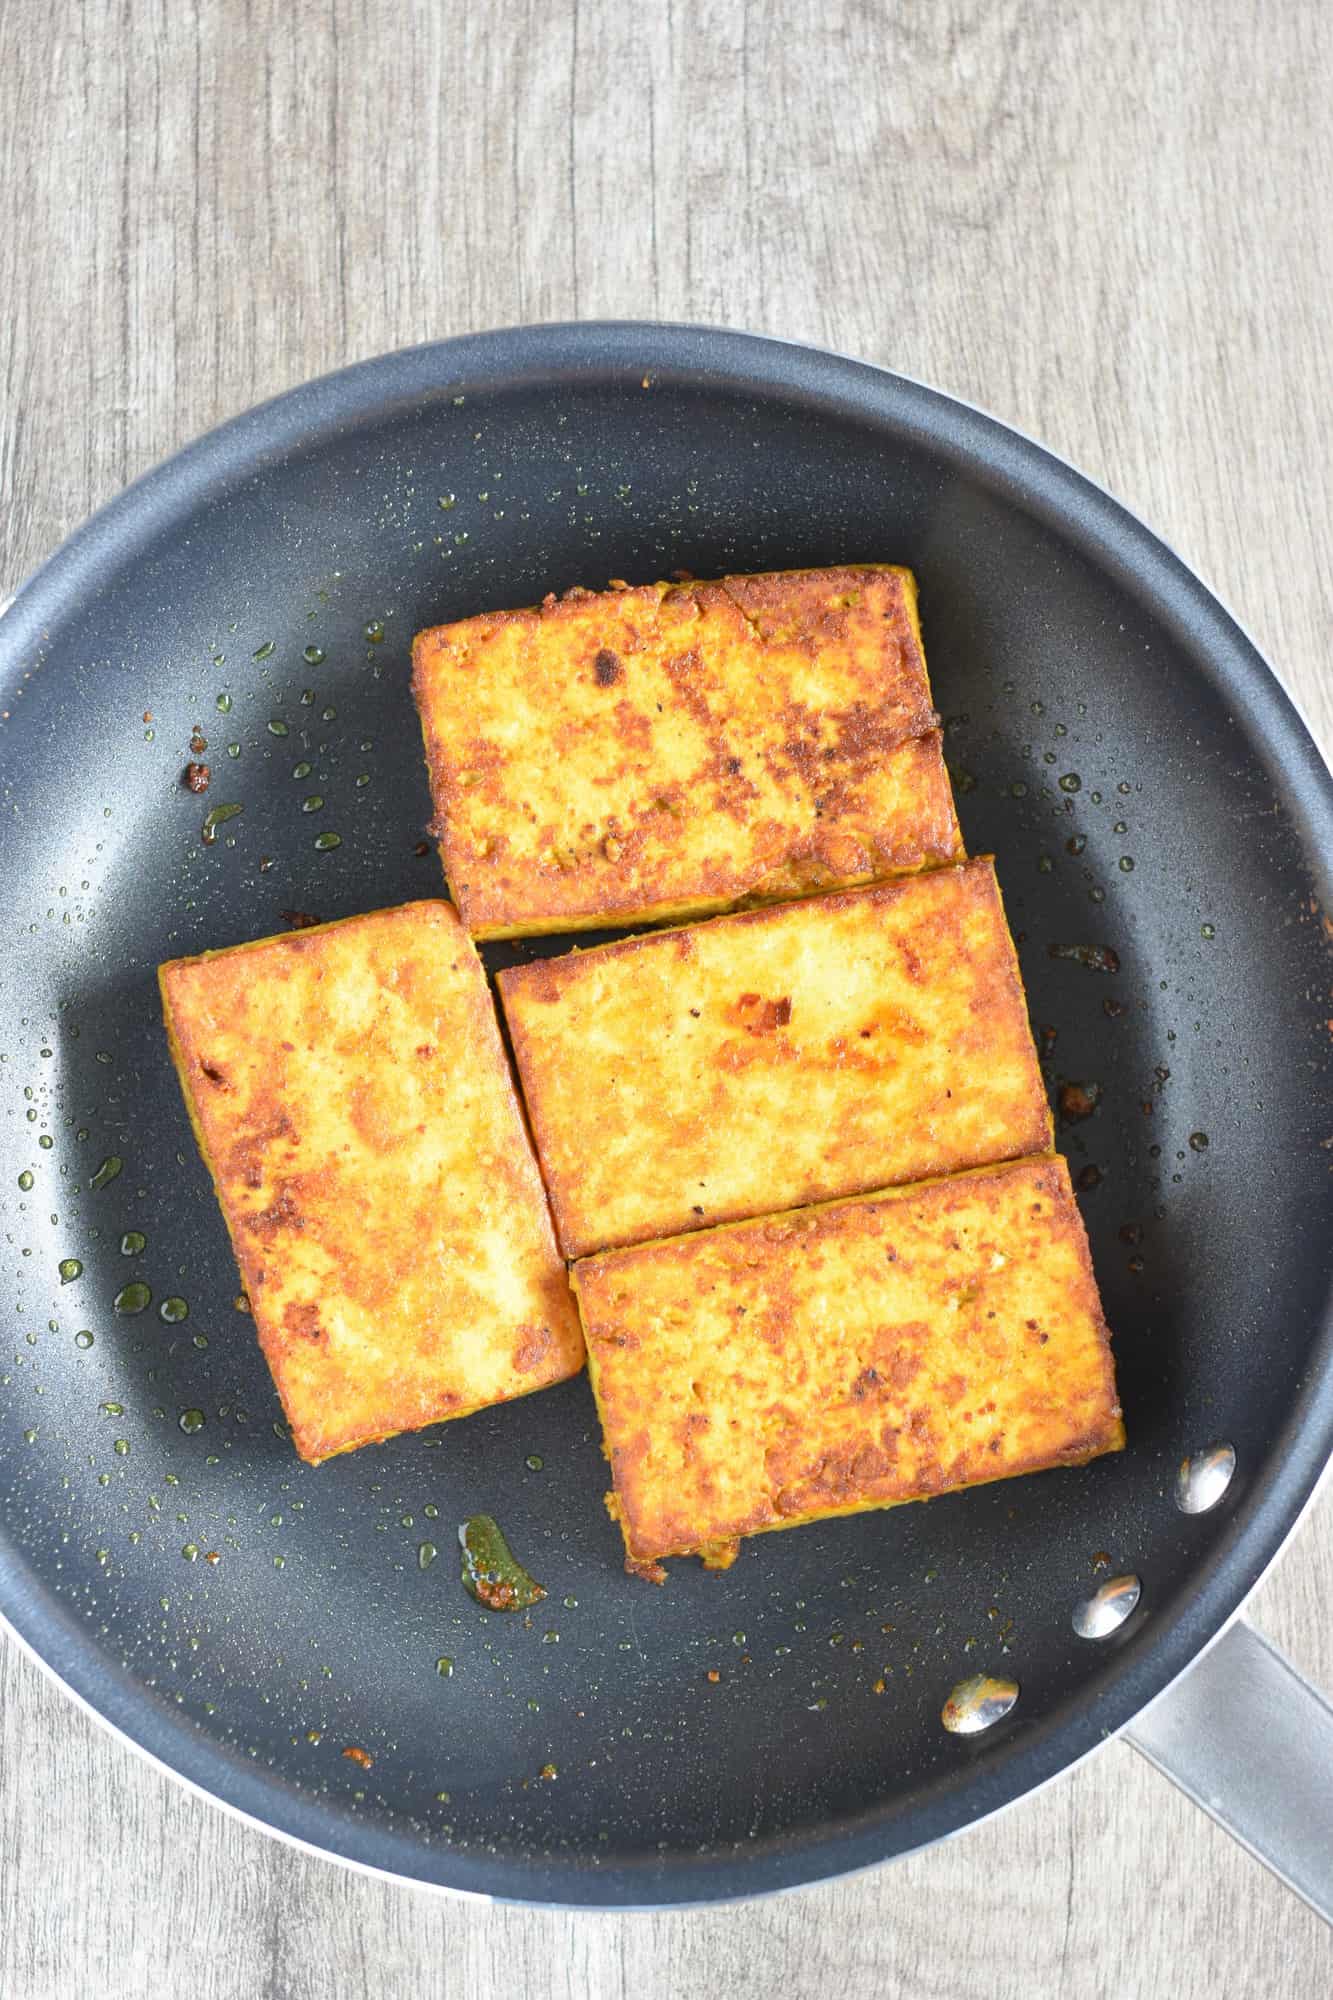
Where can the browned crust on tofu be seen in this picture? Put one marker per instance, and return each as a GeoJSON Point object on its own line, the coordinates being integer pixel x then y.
{"type": "Point", "coordinates": [351, 1097]}
{"type": "Point", "coordinates": [780, 1056]}
{"type": "Point", "coordinates": [674, 750]}
{"type": "Point", "coordinates": [852, 1356]}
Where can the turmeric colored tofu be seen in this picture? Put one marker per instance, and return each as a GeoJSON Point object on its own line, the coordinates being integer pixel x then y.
{"type": "Point", "coordinates": [352, 1101]}
{"type": "Point", "coordinates": [674, 750]}
{"type": "Point", "coordinates": [776, 1057]}
{"type": "Point", "coordinates": [774, 1372]}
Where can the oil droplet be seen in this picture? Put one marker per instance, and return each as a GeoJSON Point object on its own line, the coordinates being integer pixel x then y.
{"type": "Point", "coordinates": [29, 1437]}
{"type": "Point", "coordinates": [191, 1421]}
{"type": "Point", "coordinates": [70, 1269]}
{"type": "Point", "coordinates": [25, 1180]}
{"type": "Point", "coordinates": [218, 817]}
{"type": "Point", "coordinates": [233, 749]}
{"type": "Point", "coordinates": [444, 1666]}
{"type": "Point", "coordinates": [1126, 864]}
{"type": "Point", "coordinates": [324, 842]}
{"type": "Point", "coordinates": [313, 656]}
{"type": "Point", "coordinates": [1096, 957]}
{"type": "Point", "coordinates": [446, 501]}
{"type": "Point", "coordinates": [302, 770]}
{"type": "Point", "coordinates": [201, 1340]}
{"type": "Point", "coordinates": [1207, 930]}
{"type": "Point", "coordinates": [112, 1409]}
{"type": "Point", "coordinates": [570, 1603]}
{"type": "Point", "coordinates": [263, 652]}
{"type": "Point", "coordinates": [122, 1447]}
{"type": "Point", "coordinates": [83, 1338]}
{"type": "Point", "coordinates": [431, 1511]}
{"type": "Point", "coordinates": [132, 1242]}
{"type": "Point", "coordinates": [224, 704]}
{"type": "Point", "coordinates": [191, 1552]}
{"type": "Point", "coordinates": [490, 1571]}
{"type": "Point", "coordinates": [313, 804]}
{"type": "Point", "coordinates": [1079, 1100]}
{"type": "Point", "coordinates": [132, 1298]}
{"type": "Point", "coordinates": [1199, 1142]}
{"type": "Point", "coordinates": [173, 1311]}
{"type": "Point", "coordinates": [426, 1555]}
{"type": "Point", "coordinates": [328, 714]}
{"type": "Point", "coordinates": [107, 1172]}
{"type": "Point", "coordinates": [374, 632]}
{"type": "Point", "coordinates": [1071, 782]}
{"type": "Point", "coordinates": [45, 1141]}
{"type": "Point", "coordinates": [277, 727]}
{"type": "Point", "coordinates": [533, 1462]}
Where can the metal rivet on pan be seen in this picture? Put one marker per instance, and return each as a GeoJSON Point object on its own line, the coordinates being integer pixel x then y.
{"type": "Point", "coordinates": [1098, 1616]}
{"type": "Point", "coordinates": [1204, 1478]}
{"type": "Point", "coordinates": [976, 1703]}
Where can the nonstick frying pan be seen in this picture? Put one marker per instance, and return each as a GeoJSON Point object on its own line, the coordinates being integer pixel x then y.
{"type": "Point", "coordinates": [1149, 792]}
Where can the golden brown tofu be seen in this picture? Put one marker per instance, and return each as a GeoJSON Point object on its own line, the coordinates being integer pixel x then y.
{"type": "Point", "coordinates": [352, 1101]}
{"type": "Point", "coordinates": [674, 750]}
{"type": "Point", "coordinates": [777, 1057]}
{"type": "Point", "coordinates": [774, 1372]}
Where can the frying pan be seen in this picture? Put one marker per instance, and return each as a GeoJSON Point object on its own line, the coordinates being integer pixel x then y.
{"type": "Point", "coordinates": [1149, 791]}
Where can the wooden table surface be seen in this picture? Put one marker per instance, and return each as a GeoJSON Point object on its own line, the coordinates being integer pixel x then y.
{"type": "Point", "coordinates": [1109, 224]}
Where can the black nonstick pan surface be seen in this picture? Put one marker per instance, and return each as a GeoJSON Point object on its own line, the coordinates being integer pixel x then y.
{"type": "Point", "coordinates": [1148, 791]}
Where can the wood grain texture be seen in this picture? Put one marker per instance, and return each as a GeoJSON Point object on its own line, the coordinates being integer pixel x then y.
{"type": "Point", "coordinates": [1109, 225]}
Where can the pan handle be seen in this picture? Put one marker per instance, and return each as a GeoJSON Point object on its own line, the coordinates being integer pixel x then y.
{"type": "Point", "coordinates": [1248, 1738]}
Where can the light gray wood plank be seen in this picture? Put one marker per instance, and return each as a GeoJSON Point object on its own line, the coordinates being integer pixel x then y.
{"type": "Point", "coordinates": [1109, 225]}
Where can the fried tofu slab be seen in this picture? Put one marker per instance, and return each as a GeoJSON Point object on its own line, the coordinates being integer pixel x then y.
{"type": "Point", "coordinates": [670, 751]}
{"type": "Point", "coordinates": [780, 1371]}
{"type": "Point", "coordinates": [777, 1057]}
{"type": "Point", "coordinates": [352, 1101]}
